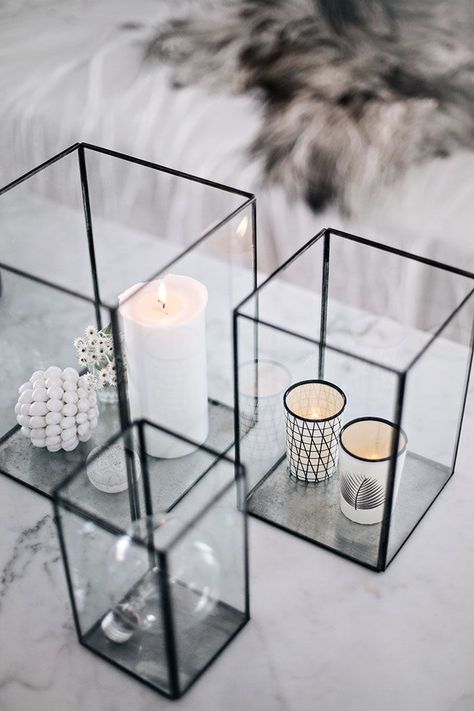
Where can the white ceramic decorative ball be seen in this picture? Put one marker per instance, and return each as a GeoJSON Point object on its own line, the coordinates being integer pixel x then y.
{"type": "Point", "coordinates": [57, 409]}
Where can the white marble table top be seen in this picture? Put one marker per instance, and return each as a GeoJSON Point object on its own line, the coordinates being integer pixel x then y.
{"type": "Point", "coordinates": [325, 633]}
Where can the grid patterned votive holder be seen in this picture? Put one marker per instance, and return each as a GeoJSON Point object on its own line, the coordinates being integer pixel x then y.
{"type": "Point", "coordinates": [314, 411]}
{"type": "Point", "coordinates": [262, 384]}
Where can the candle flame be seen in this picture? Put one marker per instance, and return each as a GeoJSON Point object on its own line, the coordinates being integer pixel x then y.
{"type": "Point", "coordinates": [242, 227]}
{"type": "Point", "coordinates": [162, 293]}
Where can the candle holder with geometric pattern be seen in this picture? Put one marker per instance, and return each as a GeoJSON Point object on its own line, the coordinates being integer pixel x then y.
{"type": "Point", "coordinates": [314, 411]}
{"type": "Point", "coordinates": [261, 390]}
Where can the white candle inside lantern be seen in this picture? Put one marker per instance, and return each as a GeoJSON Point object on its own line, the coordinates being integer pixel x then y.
{"type": "Point", "coordinates": [365, 462]}
{"type": "Point", "coordinates": [164, 325]}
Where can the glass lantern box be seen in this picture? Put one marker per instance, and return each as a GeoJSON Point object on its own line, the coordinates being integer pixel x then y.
{"type": "Point", "coordinates": [160, 598]}
{"type": "Point", "coordinates": [352, 367]}
{"type": "Point", "coordinates": [92, 237]}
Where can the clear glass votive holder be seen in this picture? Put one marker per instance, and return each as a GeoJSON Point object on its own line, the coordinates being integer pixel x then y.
{"type": "Point", "coordinates": [261, 388]}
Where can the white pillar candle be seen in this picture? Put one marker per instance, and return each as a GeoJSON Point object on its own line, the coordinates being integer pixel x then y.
{"type": "Point", "coordinates": [314, 410]}
{"type": "Point", "coordinates": [164, 325]}
{"type": "Point", "coordinates": [364, 467]}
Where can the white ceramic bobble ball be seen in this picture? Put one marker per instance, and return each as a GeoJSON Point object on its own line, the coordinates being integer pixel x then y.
{"type": "Point", "coordinates": [57, 409]}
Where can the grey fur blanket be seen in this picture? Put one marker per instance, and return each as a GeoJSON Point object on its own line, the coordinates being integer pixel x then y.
{"type": "Point", "coordinates": [353, 92]}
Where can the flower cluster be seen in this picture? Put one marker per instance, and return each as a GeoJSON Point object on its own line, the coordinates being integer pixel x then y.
{"type": "Point", "coordinates": [95, 351]}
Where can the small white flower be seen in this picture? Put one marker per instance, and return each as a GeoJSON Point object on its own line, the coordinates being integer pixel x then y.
{"type": "Point", "coordinates": [104, 376]}
{"type": "Point", "coordinates": [90, 331]}
{"type": "Point", "coordinates": [79, 343]}
{"type": "Point", "coordinates": [93, 357]}
{"type": "Point", "coordinates": [92, 342]}
{"type": "Point", "coordinates": [82, 360]}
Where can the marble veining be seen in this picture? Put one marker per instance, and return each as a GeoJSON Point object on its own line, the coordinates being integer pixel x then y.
{"type": "Point", "coordinates": [325, 633]}
{"type": "Point", "coordinates": [26, 545]}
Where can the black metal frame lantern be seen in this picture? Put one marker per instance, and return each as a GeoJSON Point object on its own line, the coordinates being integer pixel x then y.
{"type": "Point", "coordinates": [162, 598]}
{"type": "Point", "coordinates": [397, 338]}
{"type": "Point", "coordinates": [78, 231]}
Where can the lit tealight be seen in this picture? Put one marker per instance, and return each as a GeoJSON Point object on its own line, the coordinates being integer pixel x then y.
{"type": "Point", "coordinates": [120, 623]}
{"type": "Point", "coordinates": [162, 293]}
{"type": "Point", "coordinates": [315, 414]}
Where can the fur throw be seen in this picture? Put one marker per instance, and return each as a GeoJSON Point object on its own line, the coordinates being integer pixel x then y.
{"type": "Point", "coordinates": [353, 92]}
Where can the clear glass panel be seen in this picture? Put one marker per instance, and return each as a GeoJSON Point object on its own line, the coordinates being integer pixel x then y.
{"type": "Point", "coordinates": [264, 375]}
{"type": "Point", "coordinates": [371, 392]}
{"type": "Point", "coordinates": [434, 398]}
{"type": "Point", "coordinates": [311, 510]}
{"type": "Point", "coordinates": [207, 585]}
{"type": "Point", "coordinates": [162, 596]}
{"type": "Point", "coordinates": [143, 218]}
{"type": "Point", "coordinates": [178, 343]}
{"type": "Point", "coordinates": [386, 307]}
{"type": "Point", "coordinates": [183, 485]}
{"type": "Point", "coordinates": [100, 488]}
{"type": "Point", "coordinates": [291, 299]}
{"type": "Point", "coordinates": [116, 597]}
{"type": "Point", "coordinates": [38, 325]}
{"type": "Point", "coordinates": [43, 227]}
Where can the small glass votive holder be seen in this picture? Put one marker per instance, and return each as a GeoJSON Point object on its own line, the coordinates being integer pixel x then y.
{"type": "Point", "coordinates": [367, 450]}
{"type": "Point", "coordinates": [261, 386]}
{"type": "Point", "coordinates": [314, 411]}
{"type": "Point", "coordinates": [162, 595]}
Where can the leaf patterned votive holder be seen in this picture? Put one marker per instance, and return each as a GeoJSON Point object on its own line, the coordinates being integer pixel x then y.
{"type": "Point", "coordinates": [314, 410]}
{"type": "Point", "coordinates": [367, 445]}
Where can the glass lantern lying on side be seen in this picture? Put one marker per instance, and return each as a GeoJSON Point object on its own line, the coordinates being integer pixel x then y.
{"type": "Point", "coordinates": [160, 598]}
{"type": "Point", "coordinates": [81, 234]}
{"type": "Point", "coordinates": [351, 374]}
